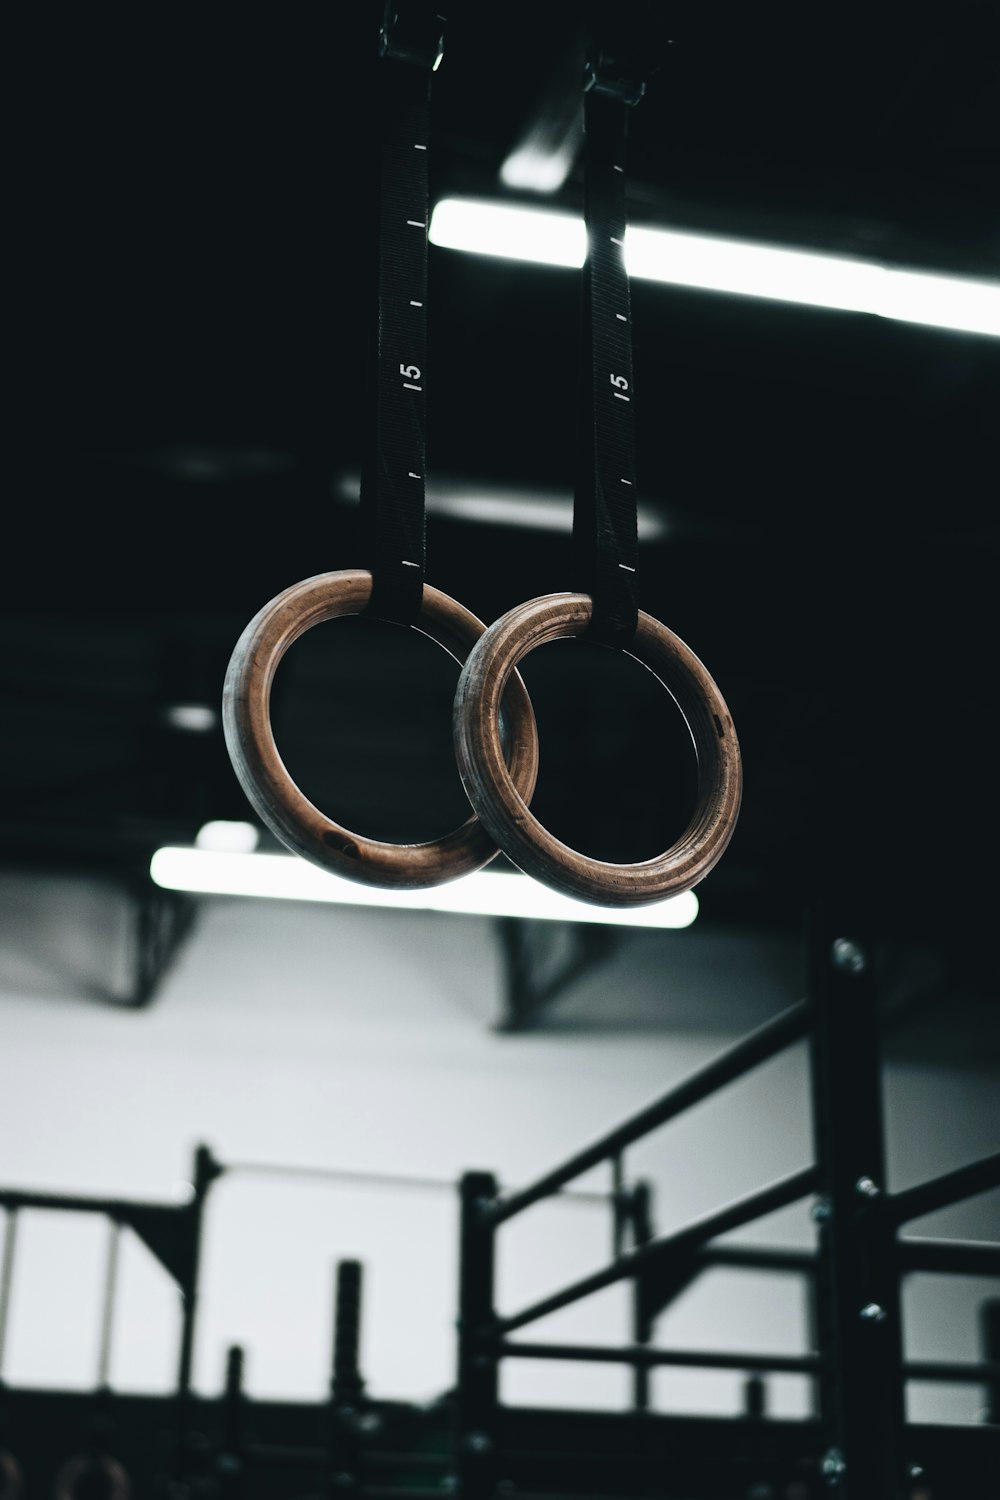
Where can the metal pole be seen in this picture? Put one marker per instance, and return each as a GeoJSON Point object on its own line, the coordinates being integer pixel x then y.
{"type": "Point", "coordinates": [641, 1354]}
{"type": "Point", "coordinates": [642, 1326]}
{"type": "Point", "coordinates": [761, 1045]}
{"type": "Point", "coordinates": [618, 1205]}
{"type": "Point", "coordinates": [758, 1258]}
{"type": "Point", "coordinates": [7, 1280]}
{"type": "Point", "coordinates": [989, 1316]}
{"type": "Point", "coordinates": [755, 1398]}
{"type": "Point", "coordinates": [941, 1192]}
{"type": "Point", "coordinates": [682, 1242]}
{"type": "Point", "coordinates": [858, 1280]}
{"type": "Point", "coordinates": [958, 1257]}
{"type": "Point", "coordinates": [108, 1311]}
{"type": "Point", "coordinates": [957, 1372]}
{"type": "Point", "coordinates": [205, 1172]}
{"type": "Point", "coordinates": [476, 1436]}
{"type": "Point", "coordinates": [812, 1287]}
{"type": "Point", "coordinates": [230, 1461]}
{"type": "Point", "coordinates": [346, 1384]}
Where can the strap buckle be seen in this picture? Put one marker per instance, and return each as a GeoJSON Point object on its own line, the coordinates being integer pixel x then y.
{"type": "Point", "coordinates": [412, 33]}
{"type": "Point", "coordinates": [613, 76]}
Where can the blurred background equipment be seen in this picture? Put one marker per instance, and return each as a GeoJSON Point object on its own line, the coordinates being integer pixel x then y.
{"type": "Point", "coordinates": [851, 1279]}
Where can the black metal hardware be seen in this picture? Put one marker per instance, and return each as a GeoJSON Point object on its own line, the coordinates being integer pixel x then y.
{"type": "Point", "coordinates": [476, 1436]}
{"type": "Point", "coordinates": [161, 922]}
{"type": "Point", "coordinates": [542, 959]}
{"type": "Point", "coordinates": [346, 1384]}
{"type": "Point", "coordinates": [642, 1356]}
{"type": "Point", "coordinates": [858, 1447]}
{"type": "Point", "coordinates": [953, 1187]}
{"type": "Point", "coordinates": [990, 1333]}
{"type": "Point", "coordinates": [229, 1465]}
{"type": "Point", "coordinates": [412, 32]}
{"type": "Point", "coordinates": [641, 1220]}
{"type": "Point", "coordinates": [861, 1443]}
{"type": "Point", "coordinates": [172, 1232]}
{"type": "Point", "coordinates": [768, 1200]}
{"type": "Point", "coordinates": [859, 1284]}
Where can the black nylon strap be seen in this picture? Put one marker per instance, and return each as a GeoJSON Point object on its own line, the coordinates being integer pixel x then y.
{"type": "Point", "coordinates": [604, 513]}
{"type": "Point", "coordinates": [392, 484]}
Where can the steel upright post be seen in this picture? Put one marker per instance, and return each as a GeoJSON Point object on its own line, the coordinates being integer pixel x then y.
{"type": "Point", "coordinates": [206, 1170]}
{"type": "Point", "coordinates": [229, 1464]}
{"type": "Point", "coordinates": [642, 1326]}
{"type": "Point", "coordinates": [476, 1434]}
{"type": "Point", "coordinates": [860, 1333]}
{"type": "Point", "coordinates": [990, 1331]}
{"type": "Point", "coordinates": [346, 1384]}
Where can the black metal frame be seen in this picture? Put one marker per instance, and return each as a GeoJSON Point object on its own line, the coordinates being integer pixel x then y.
{"type": "Point", "coordinates": [541, 959]}
{"type": "Point", "coordinates": [861, 1439]}
{"type": "Point", "coordinates": [858, 1446]}
{"type": "Point", "coordinates": [172, 1232]}
{"type": "Point", "coordinates": [161, 922]}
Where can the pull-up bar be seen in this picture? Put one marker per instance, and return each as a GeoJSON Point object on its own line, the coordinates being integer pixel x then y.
{"type": "Point", "coordinates": [761, 1045]}
{"type": "Point", "coordinates": [345, 1177]}
{"type": "Point", "coordinates": [942, 1192]}
{"type": "Point", "coordinates": [645, 1356]}
{"type": "Point", "coordinates": [745, 1210]}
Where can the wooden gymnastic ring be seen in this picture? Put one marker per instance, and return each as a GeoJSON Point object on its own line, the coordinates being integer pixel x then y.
{"type": "Point", "coordinates": [272, 792]}
{"type": "Point", "coordinates": [495, 797]}
{"type": "Point", "coordinates": [11, 1476]}
{"type": "Point", "coordinates": [77, 1478]}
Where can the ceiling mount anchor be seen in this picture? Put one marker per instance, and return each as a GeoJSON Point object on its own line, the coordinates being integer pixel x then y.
{"type": "Point", "coordinates": [161, 921]}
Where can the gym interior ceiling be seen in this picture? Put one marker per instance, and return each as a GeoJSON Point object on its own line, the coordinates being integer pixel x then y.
{"type": "Point", "coordinates": [820, 486]}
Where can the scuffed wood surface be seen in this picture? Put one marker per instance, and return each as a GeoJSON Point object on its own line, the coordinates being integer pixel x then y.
{"type": "Point", "coordinates": [270, 789]}
{"type": "Point", "coordinates": [494, 794]}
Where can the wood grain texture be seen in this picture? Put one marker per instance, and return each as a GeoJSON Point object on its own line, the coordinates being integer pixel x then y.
{"type": "Point", "coordinates": [273, 794]}
{"type": "Point", "coordinates": [505, 812]}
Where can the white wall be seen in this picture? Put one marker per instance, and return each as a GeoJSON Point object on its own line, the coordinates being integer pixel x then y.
{"type": "Point", "coordinates": [362, 1040]}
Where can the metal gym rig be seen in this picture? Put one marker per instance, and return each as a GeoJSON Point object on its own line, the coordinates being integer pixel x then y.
{"type": "Point", "coordinates": [856, 1446]}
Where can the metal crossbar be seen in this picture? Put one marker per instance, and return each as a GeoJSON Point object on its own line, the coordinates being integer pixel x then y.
{"type": "Point", "coordinates": [767, 1200]}
{"type": "Point", "coordinates": [852, 1279]}
{"type": "Point", "coordinates": [956, 1257]}
{"type": "Point", "coordinates": [171, 1231]}
{"type": "Point", "coordinates": [643, 1354]}
{"type": "Point", "coordinates": [942, 1192]}
{"type": "Point", "coordinates": [761, 1045]}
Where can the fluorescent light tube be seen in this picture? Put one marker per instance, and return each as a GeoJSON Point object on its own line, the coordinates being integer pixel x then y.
{"type": "Point", "coordinates": [486, 893]}
{"type": "Point", "coordinates": [191, 718]}
{"type": "Point", "coordinates": [715, 264]}
{"type": "Point", "coordinates": [231, 838]}
{"type": "Point", "coordinates": [533, 170]}
{"type": "Point", "coordinates": [527, 506]}
{"type": "Point", "coordinates": [509, 231]}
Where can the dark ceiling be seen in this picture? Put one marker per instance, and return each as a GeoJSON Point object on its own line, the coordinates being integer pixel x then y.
{"type": "Point", "coordinates": [192, 328]}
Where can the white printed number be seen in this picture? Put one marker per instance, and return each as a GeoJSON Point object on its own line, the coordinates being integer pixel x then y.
{"type": "Point", "coordinates": [619, 382]}
{"type": "Point", "coordinates": [410, 372]}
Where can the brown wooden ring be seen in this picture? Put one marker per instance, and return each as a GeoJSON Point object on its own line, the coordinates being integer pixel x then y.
{"type": "Point", "coordinates": [271, 791]}
{"type": "Point", "coordinates": [77, 1475]}
{"type": "Point", "coordinates": [505, 813]}
{"type": "Point", "coordinates": [11, 1476]}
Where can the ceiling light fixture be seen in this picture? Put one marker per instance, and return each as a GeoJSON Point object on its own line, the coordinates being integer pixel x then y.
{"type": "Point", "coordinates": [227, 837]}
{"type": "Point", "coordinates": [533, 170]}
{"type": "Point", "coordinates": [712, 263]}
{"type": "Point", "coordinates": [191, 718]}
{"type": "Point", "coordinates": [488, 893]}
{"type": "Point", "coordinates": [534, 507]}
